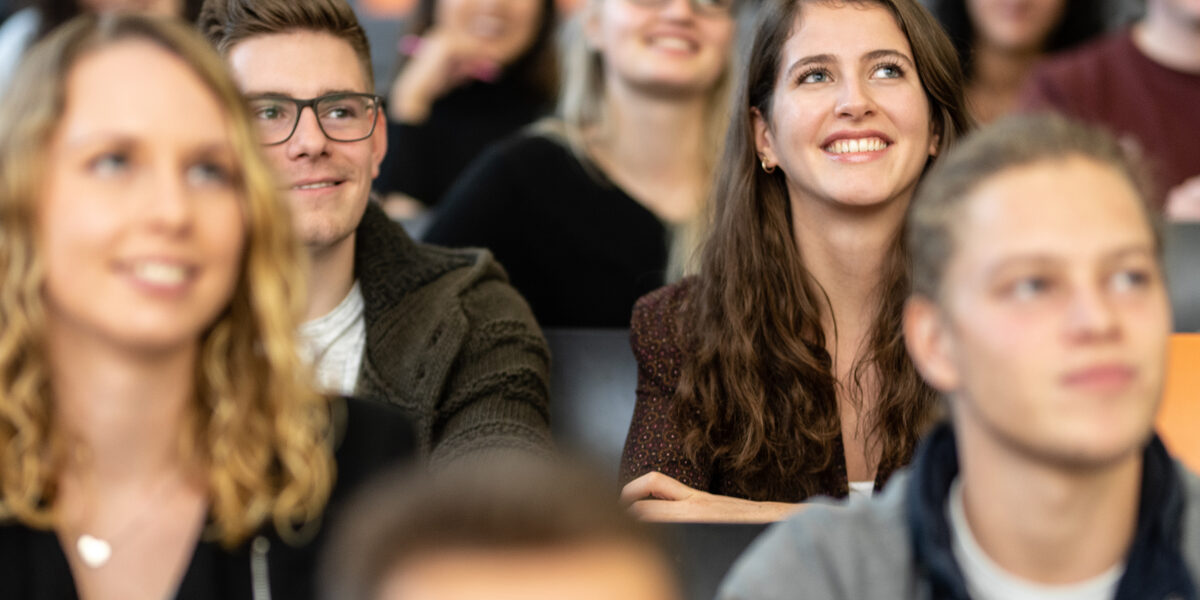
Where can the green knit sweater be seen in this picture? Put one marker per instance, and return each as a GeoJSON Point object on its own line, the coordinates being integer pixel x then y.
{"type": "Point", "coordinates": [451, 342]}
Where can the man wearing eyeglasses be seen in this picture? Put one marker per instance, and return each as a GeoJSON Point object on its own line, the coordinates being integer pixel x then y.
{"type": "Point", "coordinates": [438, 332]}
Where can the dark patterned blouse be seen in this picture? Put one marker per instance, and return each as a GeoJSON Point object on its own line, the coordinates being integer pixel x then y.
{"type": "Point", "coordinates": [655, 439]}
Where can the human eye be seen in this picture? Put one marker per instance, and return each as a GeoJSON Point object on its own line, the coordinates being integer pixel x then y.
{"type": "Point", "coordinates": [209, 173]}
{"type": "Point", "coordinates": [887, 70]}
{"type": "Point", "coordinates": [109, 164]}
{"type": "Point", "coordinates": [1131, 279]}
{"type": "Point", "coordinates": [343, 107]}
{"type": "Point", "coordinates": [268, 109]}
{"type": "Point", "coordinates": [814, 75]}
{"type": "Point", "coordinates": [1029, 288]}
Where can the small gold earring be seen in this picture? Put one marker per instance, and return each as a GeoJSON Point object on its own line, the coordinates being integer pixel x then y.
{"type": "Point", "coordinates": [765, 168]}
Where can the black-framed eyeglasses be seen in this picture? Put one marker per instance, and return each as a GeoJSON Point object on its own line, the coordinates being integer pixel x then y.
{"type": "Point", "coordinates": [708, 7]}
{"type": "Point", "coordinates": [342, 117]}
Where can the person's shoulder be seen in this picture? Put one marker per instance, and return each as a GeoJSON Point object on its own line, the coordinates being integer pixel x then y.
{"type": "Point", "coordinates": [532, 149]}
{"type": "Point", "coordinates": [663, 304]}
{"type": "Point", "coordinates": [656, 317]}
{"type": "Point", "coordinates": [1087, 61]}
{"type": "Point", "coordinates": [860, 550]}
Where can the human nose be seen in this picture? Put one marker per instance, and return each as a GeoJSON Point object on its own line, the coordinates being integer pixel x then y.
{"type": "Point", "coordinates": [854, 100]}
{"type": "Point", "coordinates": [679, 9]}
{"type": "Point", "coordinates": [1092, 314]}
{"type": "Point", "coordinates": [308, 139]}
{"type": "Point", "coordinates": [169, 204]}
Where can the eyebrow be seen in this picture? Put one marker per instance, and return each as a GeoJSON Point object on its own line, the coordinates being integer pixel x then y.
{"type": "Point", "coordinates": [276, 94]}
{"type": "Point", "coordinates": [1043, 259]}
{"type": "Point", "coordinates": [824, 59]}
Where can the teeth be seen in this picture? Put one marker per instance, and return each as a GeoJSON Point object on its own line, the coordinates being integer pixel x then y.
{"type": "Point", "coordinates": [859, 145]}
{"type": "Point", "coordinates": [672, 43]}
{"type": "Point", "coordinates": [314, 186]}
{"type": "Point", "coordinates": [160, 273]}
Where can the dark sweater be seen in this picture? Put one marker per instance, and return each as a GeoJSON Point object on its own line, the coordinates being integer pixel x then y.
{"type": "Point", "coordinates": [451, 342]}
{"type": "Point", "coordinates": [579, 248]}
{"type": "Point", "coordinates": [424, 160]}
{"type": "Point", "coordinates": [375, 437]}
{"type": "Point", "coordinates": [1112, 83]}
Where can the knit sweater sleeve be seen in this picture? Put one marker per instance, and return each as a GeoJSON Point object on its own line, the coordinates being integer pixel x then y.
{"type": "Point", "coordinates": [496, 395]}
{"type": "Point", "coordinates": [655, 439]}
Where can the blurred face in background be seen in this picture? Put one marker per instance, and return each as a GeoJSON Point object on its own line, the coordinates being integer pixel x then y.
{"type": "Point", "coordinates": [140, 223]}
{"type": "Point", "coordinates": [499, 30]}
{"type": "Point", "coordinates": [661, 48]}
{"type": "Point", "coordinates": [1052, 326]}
{"type": "Point", "coordinates": [588, 572]}
{"type": "Point", "coordinates": [1015, 25]}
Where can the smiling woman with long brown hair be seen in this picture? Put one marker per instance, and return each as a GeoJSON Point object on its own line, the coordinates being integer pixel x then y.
{"type": "Point", "coordinates": [779, 372]}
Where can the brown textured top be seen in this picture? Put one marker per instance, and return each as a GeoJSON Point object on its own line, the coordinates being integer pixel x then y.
{"type": "Point", "coordinates": [655, 440]}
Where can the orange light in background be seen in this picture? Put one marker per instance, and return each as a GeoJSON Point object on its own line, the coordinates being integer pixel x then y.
{"type": "Point", "coordinates": [1179, 416]}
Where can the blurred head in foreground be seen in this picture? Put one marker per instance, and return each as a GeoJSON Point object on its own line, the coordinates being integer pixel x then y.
{"type": "Point", "coordinates": [497, 531]}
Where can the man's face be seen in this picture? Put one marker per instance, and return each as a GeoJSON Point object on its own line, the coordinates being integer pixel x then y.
{"type": "Point", "coordinates": [327, 183]}
{"type": "Point", "coordinates": [1051, 330]}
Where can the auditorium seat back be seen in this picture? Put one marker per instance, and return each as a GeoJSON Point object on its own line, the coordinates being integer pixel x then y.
{"type": "Point", "coordinates": [593, 387]}
{"type": "Point", "coordinates": [1182, 254]}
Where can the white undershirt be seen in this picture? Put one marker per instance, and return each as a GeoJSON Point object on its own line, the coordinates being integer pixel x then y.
{"type": "Point", "coordinates": [987, 580]}
{"type": "Point", "coordinates": [334, 344]}
{"type": "Point", "coordinates": [862, 489]}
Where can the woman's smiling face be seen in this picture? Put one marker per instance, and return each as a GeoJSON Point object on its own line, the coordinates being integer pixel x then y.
{"type": "Point", "coordinates": [849, 121]}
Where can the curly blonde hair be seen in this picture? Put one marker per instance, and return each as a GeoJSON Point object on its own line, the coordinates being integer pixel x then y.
{"type": "Point", "coordinates": [257, 428]}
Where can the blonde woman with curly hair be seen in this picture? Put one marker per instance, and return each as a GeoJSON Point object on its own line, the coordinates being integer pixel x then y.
{"type": "Point", "coordinates": [158, 434]}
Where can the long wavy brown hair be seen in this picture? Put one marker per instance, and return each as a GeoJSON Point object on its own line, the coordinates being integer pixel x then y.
{"type": "Point", "coordinates": [256, 427]}
{"type": "Point", "coordinates": [757, 391]}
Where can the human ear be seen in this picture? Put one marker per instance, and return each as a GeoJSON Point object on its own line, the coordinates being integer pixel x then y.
{"type": "Point", "coordinates": [378, 143]}
{"type": "Point", "coordinates": [930, 342]}
{"type": "Point", "coordinates": [764, 143]}
{"type": "Point", "coordinates": [590, 24]}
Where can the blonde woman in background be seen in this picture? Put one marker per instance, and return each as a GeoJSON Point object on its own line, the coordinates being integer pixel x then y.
{"type": "Point", "coordinates": [586, 211]}
{"type": "Point", "coordinates": [158, 435]}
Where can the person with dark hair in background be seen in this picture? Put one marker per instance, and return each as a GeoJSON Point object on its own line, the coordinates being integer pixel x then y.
{"type": "Point", "coordinates": [778, 372]}
{"type": "Point", "coordinates": [1040, 311]}
{"type": "Point", "coordinates": [438, 332]}
{"type": "Point", "coordinates": [470, 74]}
{"type": "Point", "coordinates": [494, 531]}
{"type": "Point", "coordinates": [1144, 84]}
{"type": "Point", "coordinates": [1000, 41]}
{"type": "Point", "coordinates": [159, 435]}
{"type": "Point", "coordinates": [40, 17]}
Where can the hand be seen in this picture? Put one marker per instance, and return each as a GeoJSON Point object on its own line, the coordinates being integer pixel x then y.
{"type": "Point", "coordinates": [442, 61]}
{"type": "Point", "coordinates": [657, 497]}
{"type": "Point", "coordinates": [1183, 202]}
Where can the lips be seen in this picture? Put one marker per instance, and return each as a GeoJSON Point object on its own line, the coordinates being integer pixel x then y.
{"type": "Point", "coordinates": [855, 142]}
{"type": "Point", "coordinates": [159, 274]}
{"type": "Point", "coordinates": [316, 184]}
{"type": "Point", "coordinates": [1105, 377]}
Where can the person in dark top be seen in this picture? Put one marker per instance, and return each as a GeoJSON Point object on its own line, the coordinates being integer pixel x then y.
{"type": "Point", "coordinates": [999, 43]}
{"type": "Point", "coordinates": [1143, 83]}
{"type": "Point", "coordinates": [470, 74]}
{"type": "Point", "coordinates": [778, 372]}
{"type": "Point", "coordinates": [602, 203]}
{"type": "Point", "coordinates": [1040, 313]}
{"type": "Point", "coordinates": [159, 434]}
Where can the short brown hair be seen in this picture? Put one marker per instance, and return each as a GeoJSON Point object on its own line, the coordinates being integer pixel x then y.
{"type": "Point", "coordinates": [1010, 143]}
{"type": "Point", "coordinates": [505, 503]}
{"type": "Point", "coordinates": [227, 22]}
